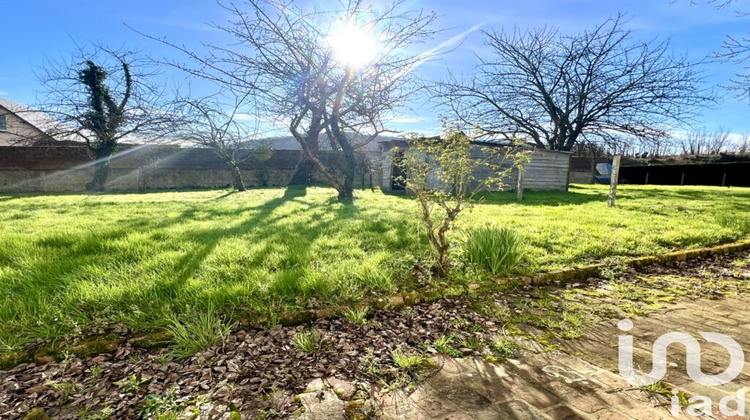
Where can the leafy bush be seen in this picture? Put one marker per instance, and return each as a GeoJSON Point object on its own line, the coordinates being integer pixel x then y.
{"type": "Point", "coordinates": [498, 250]}
{"type": "Point", "coordinates": [442, 176]}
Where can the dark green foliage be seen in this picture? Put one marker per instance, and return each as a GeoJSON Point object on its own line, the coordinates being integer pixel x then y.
{"type": "Point", "coordinates": [104, 118]}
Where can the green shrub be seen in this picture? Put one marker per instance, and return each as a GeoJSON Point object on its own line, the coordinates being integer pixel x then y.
{"type": "Point", "coordinates": [498, 250]}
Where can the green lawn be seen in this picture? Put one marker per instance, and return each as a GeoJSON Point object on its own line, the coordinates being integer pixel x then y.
{"type": "Point", "coordinates": [72, 263]}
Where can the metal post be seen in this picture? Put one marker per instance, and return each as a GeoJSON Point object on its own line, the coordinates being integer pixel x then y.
{"type": "Point", "coordinates": [724, 179]}
{"type": "Point", "coordinates": [646, 178]}
{"type": "Point", "coordinates": [682, 179]}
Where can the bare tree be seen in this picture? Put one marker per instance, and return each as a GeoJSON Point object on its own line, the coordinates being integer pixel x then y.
{"type": "Point", "coordinates": [102, 97]}
{"type": "Point", "coordinates": [554, 90]}
{"type": "Point", "coordinates": [743, 145]}
{"type": "Point", "coordinates": [206, 122]}
{"type": "Point", "coordinates": [735, 48]}
{"type": "Point", "coordinates": [704, 142]}
{"type": "Point", "coordinates": [294, 63]}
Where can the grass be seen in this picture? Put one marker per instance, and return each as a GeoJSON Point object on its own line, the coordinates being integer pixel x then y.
{"type": "Point", "coordinates": [664, 390]}
{"type": "Point", "coordinates": [411, 362]}
{"type": "Point", "coordinates": [356, 315]}
{"type": "Point", "coordinates": [445, 345]}
{"type": "Point", "coordinates": [195, 332]}
{"type": "Point", "coordinates": [72, 263]}
{"type": "Point", "coordinates": [307, 341]}
{"type": "Point", "coordinates": [503, 346]}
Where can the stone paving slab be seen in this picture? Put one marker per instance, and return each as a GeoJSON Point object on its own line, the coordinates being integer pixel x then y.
{"type": "Point", "coordinates": [580, 382]}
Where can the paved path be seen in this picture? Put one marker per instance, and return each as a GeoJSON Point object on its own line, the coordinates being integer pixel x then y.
{"type": "Point", "coordinates": [577, 383]}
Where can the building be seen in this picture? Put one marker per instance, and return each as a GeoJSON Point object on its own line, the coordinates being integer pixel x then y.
{"type": "Point", "coordinates": [21, 125]}
{"type": "Point", "coordinates": [546, 171]}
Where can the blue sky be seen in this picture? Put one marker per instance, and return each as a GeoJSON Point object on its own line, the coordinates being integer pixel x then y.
{"type": "Point", "coordinates": [39, 29]}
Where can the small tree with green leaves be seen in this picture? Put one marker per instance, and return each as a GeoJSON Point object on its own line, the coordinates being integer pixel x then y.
{"type": "Point", "coordinates": [445, 174]}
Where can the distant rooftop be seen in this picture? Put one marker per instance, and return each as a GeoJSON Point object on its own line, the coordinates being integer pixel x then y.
{"type": "Point", "coordinates": [39, 120]}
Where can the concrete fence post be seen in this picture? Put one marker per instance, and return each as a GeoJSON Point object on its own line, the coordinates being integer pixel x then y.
{"type": "Point", "coordinates": [613, 181]}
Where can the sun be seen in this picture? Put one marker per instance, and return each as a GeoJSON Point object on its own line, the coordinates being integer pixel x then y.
{"type": "Point", "coordinates": [353, 46]}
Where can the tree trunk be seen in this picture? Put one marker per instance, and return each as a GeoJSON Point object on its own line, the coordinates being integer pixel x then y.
{"type": "Point", "coordinates": [320, 165]}
{"type": "Point", "coordinates": [98, 183]}
{"type": "Point", "coordinates": [345, 188]}
{"type": "Point", "coordinates": [350, 171]}
{"type": "Point", "coordinates": [99, 180]}
{"type": "Point", "coordinates": [239, 184]}
{"type": "Point", "coordinates": [303, 173]}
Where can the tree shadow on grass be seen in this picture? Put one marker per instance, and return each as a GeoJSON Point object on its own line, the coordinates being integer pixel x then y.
{"type": "Point", "coordinates": [78, 256]}
{"type": "Point", "coordinates": [287, 243]}
{"type": "Point", "coordinates": [209, 238]}
{"type": "Point", "coordinates": [66, 255]}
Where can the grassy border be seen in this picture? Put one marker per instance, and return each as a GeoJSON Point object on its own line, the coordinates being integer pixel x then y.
{"type": "Point", "coordinates": [107, 344]}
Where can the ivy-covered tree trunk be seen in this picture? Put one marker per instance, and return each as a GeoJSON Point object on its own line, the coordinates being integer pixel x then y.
{"type": "Point", "coordinates": [99, 180]}
{"type": "Point", "coordinates": [104, 118]}
{"type": "Point", "coordinates": [103, 156]}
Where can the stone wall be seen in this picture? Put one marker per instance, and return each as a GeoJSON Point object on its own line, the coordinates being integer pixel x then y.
{"type": "Point", "coordinates": [580, 177]}
{"type": "Point", "coordinates": [141, 168]}
{"type": "Point", "coordinates": [68, 169]}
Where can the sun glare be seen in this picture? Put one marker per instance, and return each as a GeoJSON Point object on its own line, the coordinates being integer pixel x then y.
{"type": "Point", "coordinates": [353, 46]}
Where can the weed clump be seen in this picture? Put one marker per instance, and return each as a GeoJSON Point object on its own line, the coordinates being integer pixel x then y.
{"type": "Point", "coordinates": [500, 251]}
